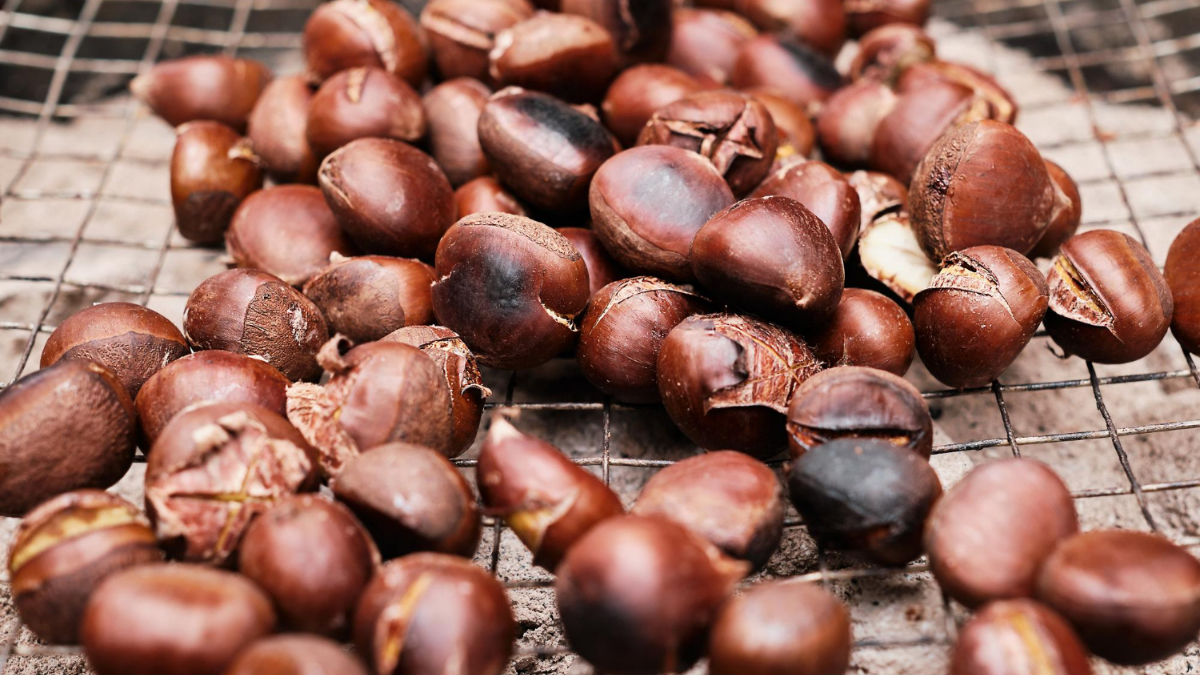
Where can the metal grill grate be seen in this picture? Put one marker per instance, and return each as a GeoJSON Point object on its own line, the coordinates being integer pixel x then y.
{"type": "Point", "coordinates": [1109, 88]}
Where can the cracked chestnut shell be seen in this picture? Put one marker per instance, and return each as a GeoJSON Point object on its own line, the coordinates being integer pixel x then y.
{"type": "Point", "coordinates": [641, 29]}
{"type": "Point", "coordinates": [773, 257]}
{"type": "Point", "coordinates": [64, 548]}
{"type": "Point", "coordinates": [1134, 597]}
{"type": "Point", "coordinates": [391, 198]}
{"type": "Point", "coordinates": [637, 595]}
{"type": "Point", "coordinates": [789, 66]}
{"type": "Point", "coordinates": [547, 500]}
{"type": "Point", "coordinates": [824, 191]}
{"type": "Point", "coordinates": [411, 499]}
{"type": "Point", "coordinates": [212, 170]}
{"type": "Point", "coordinates": [891, 254]}
{"type": "Point", "coordinates": [462, 33]}
{"type": "Point", "coordinates": [725, 380]}
{"type": "Point", "coordinates": [190, 619]}
{"type": "Point", "coordinates": [705, 42]}
{"type": "Point", "coordinates": [868, 329]}
{"type": "Point", "coordinates": [850, 119]}
{"type": "Point", "coordinates": [989, 535]}
{"type": "Point", "coordinates": [915, 122]}
{"type": "Point", "coordinates": [214, 469]}
{"type": "Point", "coordinates": [858, 403]}
{"type": "Point", "coordinates": [296, 655]}
{"type": "Point", "coordinates": [216, 88]}
{"type": "Point", "coordinates": [130, 340]}
{"type": "Point", "coordinates": [362, 103]}
{"type": "Point", "coordinates": [866, 15]}
{"type": "Point", "coordinates": [452, 111]}
{"type": "Point", "coordinates": [820, 24]}
{"type": "Point", "coordinates": [565, 55]}
{"type": "Point", "coordinates": [886, 52]}
{"type": "Point", "coordinates": [346, 34]}
{"type": "Point", "coordinates": [998, 102]}
{"type": "Point", "coordinates": [781, 627]}
{"type": "Point", "coordinates": [257, 314]}
{"type": "Point", "coordinates": [429, 613]}
{"type": "Point", "coordinates": [878, 194]}
{"type": "Point", "coordinates": [287, 231]}
{"type": "Point", "coordinates": [511, 288]}
{"type": "Point", "coordinates": [1065, 220]}
{"type": "Point", "coordinates": [865, 496]}
{"type": "Point", "coordinates": [366, 298]}
{"type": "Point", "coordinates": [977, 315]}
{"type": "Point", "coordinates": [542, 148]}
{"type": "Point", "coordinates": [638, 93]}
{"type": "Point", "coordinates": [1013, 637]}
{"type": "Point", "coordinates": [276, 130]}
{"type": "Point", "coordinates": [65, 427]}
{"type": "Point", "coordinates": [485, 194]}
{"type": "Point", "coordinates": [796, 132]}
{"type": "Point", "coordinates": [1183, 279]}
{"type": "Point", "coordinates": [733, 131]}
{"type": "Point", "coordinates": [732, 500]}
{"type": "Point", "coordinates": [602, 269]}
{"type": "Point", "coordinates": [1108, 301]}
{"type": "Point", "coordinates": [649, 202]}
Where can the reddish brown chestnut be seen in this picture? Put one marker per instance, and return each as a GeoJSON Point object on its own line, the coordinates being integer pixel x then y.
{"type": "Point", "coordinates": [362, 103]}
{"type": "Point", "coordinates": [1066, 220]}
{"type": "Point", "coordinates": [64, 548]}
{"type": "Point", "coordinates": [886, 52]}
{"type": "Point", "coordinates": [824, 191]}
{"type": "Point", "coordinates": [641, 29]}
{"type": "Point", "coordinates": [999, 103]}
{"type": "Point", "coordinates": [485, 194]}
{"type": "Point", "coordinates": [296, 655]}
{"type": "Point", "coordinates": [868, 329]}
{"type": "Point", "coordinates": [313, 558]}
{"type": "Point", "coordinates": [850, 119]}
{"type": "Point", "coordinates": [212, 171]}
{"type": "Point", "coordinates": [637, 93]}
{"type": "Point", "coordinates": [216, 88]}
{"type": "Point", "coordinates": [452, 110]}
{"type": "Point", "coordinates": [705, 42]}
{"type": "Point", "coordinates": [878, 194]}
{"type": "Point", "coordinates": [916, 121]}
{"type": "Point", "coordinates": [565, 55]}
{"type": "Point", "coordinates": [1183, 280]}
{"type": "Point", "coordinates": [866, 15]}
{"type": "Point", "coordinates": [276, 130]}
{"type": "Point", "coordinates": [891, 254]}
{"type": "Point", "coordinates": [366, 298]}
{"type": "Point", "coordinates": [820, 24]}
{"type": "Point", "coordinates": [789, 66]}
{"type": "Point", "coordinates": [346, 34]}
{"type": "Point", "coordinates": [463, 32]}
{"type": "Point", "coordinates": [602, 269]}
{"type": "Point", "coordinates": [547, 500]}
{"type": "Point", "coordinates": [1014, 637]}
{"type": "Point", "coordinates": [131, 341]}
{"type": "Point", "coordinates": [796, 132]}
{"type": "Point", "coordinates": [726, 381]}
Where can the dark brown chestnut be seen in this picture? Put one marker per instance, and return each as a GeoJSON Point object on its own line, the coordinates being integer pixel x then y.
{"type": "Point", "coordinates": [368, 297]}
{"type": "Point", "coordinates": [511, 287]}
{"type": "Point", "coordinates": [865, 496]}
{"type": "Point", "coordinates": [1014, 637]}
{"type": "Point", "coordinates": [565, 55]}
{"type": "Point", "coordinates": [1065, 221]}
{"type": "Point", "coordinates": [484, 194]}
{"type": "Point", "coordinates": [705, 42]}
{"type": "Point", "coordinates": [891, 254]}
{"type": "Point", "coordinates": [276, 130]}
{"type": "Point", "coordinates": [726, 380]}
{"type": "Point", "coordinates": [452, 110]}
{"type": "Point", "coordinates": [313, 558]}
{"type": "Point", "coordinates": [1183, 280]}
{"type": "Point", "coordinates": [977, 315]}
{"type": "Point", "coordinates": [916, 121]}
{"type": "Point", "coordinates": [850, 119]}
{"type": "Point", "coordinates": [788, 66]}
{"type": "Point", "coordinates": [410, 498]}
{"type": "Point", "coordinates": [212, 170]}
{"type": "Point", "coordinates": [638, 93]}
{"type": "Point", "coordinates": [463, 32]}
{"type": "Point", "coordinates": [362, 103]}
{"type": "Point", "coordinates": [999, 103]}
{"type": "Point", "coordinates": [346, 34]}
{"type": "Point", "coordinates": [858, 403]}
{"type": "Point", "coordinates": [64, 548]}
{"type": "Point", "coordinates": [1133, 597]}
{"type": "Point", "coordinates": [257, 314]}
{"type": "Point", "coordinates": [820, 24]}
{"type": "Point", "coordinates": [191, 620]}
{"type": "Point", "coordinates": [886, 52]}
{"type": "Point", "coordinates": [547, 500]}
{"type": "Point", "coordinates": [216, 88]}
{"type": "Point", "coordinates": [989, 535]}
{"type": "Point", "coordinates": [130, 340]}
{"type": "Point", "coordinates": [824, 191]}
{"type": "Point", "coordinates": [781, 627]}
{"type": "Point", "coordinates": [429, 613]}
{"type": "Point", "coordinates": [868, 329]}
{"type": "Point", "coordinates": [866, 15]}
{"type": "Point", "coordinates": [602, 269]}
{"type": "Point", "coordinates": [287, 231]}
{"type": "Point", "coordinates": [295, 655]}
{"type": "Point", "coordinates": [641, 29]}
{"type": "Point", "coordinates": [637, 595]}
{"type": "Point", "coordinates": [215, 468]}
{"type": "Point", "coordinates": [878, 194]}
{"type": "Point", "coordinates": [649, 202]}
{"type": "Point", "coordinates": [1108, 301]}
{"type": "Point", "coordinates": [773, 257]}
{"type": "Point", "coordinates": [796, 133]}
{"type": "Point", "coordinates": [545, 150]}
{"type": "Point", "coordinates": [65, 427]}
{"type": "Point", "coordinates": [391, 198]}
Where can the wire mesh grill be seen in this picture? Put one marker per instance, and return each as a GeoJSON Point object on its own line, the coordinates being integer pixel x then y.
{"type": "Point", "coordinates": [85, 217]}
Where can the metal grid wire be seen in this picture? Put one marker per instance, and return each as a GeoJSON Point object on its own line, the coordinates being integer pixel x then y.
{"type": "Point", "coordinates": [58, 64]}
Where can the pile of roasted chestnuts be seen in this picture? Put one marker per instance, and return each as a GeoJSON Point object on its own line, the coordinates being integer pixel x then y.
{"type": "Point", "coordinates": [634, 184]}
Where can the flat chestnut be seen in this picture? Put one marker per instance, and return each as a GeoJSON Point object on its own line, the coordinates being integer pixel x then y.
{"type": "Point", "coordinates": [565, 55]}
{"type": "Point", "coordinates": [276, 130]}
{"type": "Point", "coordinates": [824, 191]}
{"type": "Point", "coordinates": [368, 297]}
{"type": "Point", "coordinates": [796, 133]}
{"type": "Point", "coordinates": [641, 30]}
{"type": "Point", "coordinates": [1065, 220]}
{"type": "Point", "coordinates": [1183, 280]}
{"type": "Point", "coordinates": [648, 203]}
{"type": "Point", "coordinates": [410, 498]}
{"type": "Point", "coordinates": [216, 88]}
{"type": "Point", "coordinates": [452, 111]}
{"type": "Point", "coordinates": [726, 380]}
{"type": "Point", "coordinates": [790, 66]}
{"type": "Point", "coordinates": [878, 194]}
{"type": "Point", "coordinates": [850, 120]}
{"type": "Point", "coordinates": [1014, 637]}
{"type": "Point", "coordinates": [346, 34]}
{"type": "Point", "coordinates": [547, 500]}
{"type": "Point", "coordinates": [705, 42]}
{"type": "Point", "coordinates": [361, 103]}
{"type": "Point", "coordinates": [637, 93]}
{"type": "Point", "coordinates": [865, 496]}
{"type": "Point", "coordinates": [867, 15]}
{"type": "Point", "coordinates": [602, 269]}
{"type": "Point", "coordinates": [287, 231]}
{"type": "Point", "coordinates": [130, 340]}
{"type": "Point", "coordinates": [820, 24]}
{"type": "Point", "coordinates": [296, 655]}
{"type": "Point", "coordinates": [463, 32]}
{"type": "Point", "coordinates": [212, 170]}
{"type": "Point", "coordinates": [484, 194]}
{"type": "Point", "coordinates": [999, 103]}
{"type": "Point", "coordinates": [64, 548]}
{"type": "Point", "coordinates": [868, 329]}
{"type": "Point", "coordinates": [1108, 301]}
{"type": "Point", "coordinates": [891, 254]}
{"type": "Point", "coordinates": [989, 535]}
{"type": "Point", "coordinates": [977, 315]}
{"type": "Point", "coordinates": [886, 52]}
{"type": "Point", "coordinates": [916, 121]}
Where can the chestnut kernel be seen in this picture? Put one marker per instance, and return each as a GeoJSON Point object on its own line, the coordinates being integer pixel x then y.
{"type": "Point", "coordinates": [1065, 220]}
{"type": "Point", "coordinates": [865, 496]}
{"type": "Point", "coordinates": [638, 93]}
{"type": "Point", "coordinates": [462, 33]}
{"type": "Point", "coordinates": [999, 104]}
{"type": "Point", "coordinates": [362, 103]}
{"type": "Point", "coordinates": [789, 66]}
{"type": "Point", "coordinates": [485, 194]}
{"type": "Point", "coordinates": [892, 255]}
{"type": "Point", "coordinates": [565, 55]}
{"type": "Point", "coordinates": [276, 130]}
{"type": "Point", "coordinates": [1183, 280]}
{"type": "Point", "coordinates": [216, 88]}
{"type": "Point", "coordinates": [366, 298]}
{"type": "Point", "coordinates": [1013, 637]}
{"type": "Point", "coordinates": [820, 24]}
{"type": "Point", "coordinates": [705, 42]}
{"type": "Point", "coordinates": [602, 269]}
{"type": "Point", "coordinates": [346, 34]}
{"type": "Point", "coordinates": [867, 15]}
{"type": "Point", "coordinates": [212, 171]}
{"type": "Point", "coordinates": [916, 120]}
{"type": "Point", "coordinates": [878, 194]}
{"type": "Point", "coordinates": [886, 52]}
{"type": "Point", "coordinates": [295, 655]}
{"type": "Point", "coordinates": [850, 119]}
{"type": "Point", "coordinates": [796, 132]}
{"type": "Point", "coordinates": [452, 111]}
{"type": "Point", "coordinates": [868, 329]}
{"type": "Point", "coordinates": [824, 191]}
{"type": "Point", "coordinates": [641, 29]}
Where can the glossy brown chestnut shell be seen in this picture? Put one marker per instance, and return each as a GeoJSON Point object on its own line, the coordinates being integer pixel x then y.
{"type": "Point", "coordinates": [796, 133]}
{"type": "Point", "coordinates": [820, 24]}
{"type": "Point", "coordinates": [362, 103]}
{"type": "Point", "coordinates": [637, 93]}
{"type": "Point", "coordinates": [1012, 637]}
{"type": "Point", "coordinates": [1183, 280]}
{"type": "Point", "coordinates": [602, 269]}
{"type": "Point", "coordinates": [824, 191]}
{"type": "Point", "coordinates": [346, 34]}
{"type": "Point", "coordinates": [452, 110]}
{"type": "Point", "coordinates": [216, 88]}
{"type": "Point", "coordinates": [276, 130]}
{"type": "Point", "coordinates": [368, 297]}
{"type": "Point", "coordinates": [641, 29]}
{"type": "Point", "coordinates": [916, 121]}
{"type": "Point", "coordinates": [788, 65]}
{"type": "Point", "coordinates": [850, 120]}
{"type": "Point", "coordinates": [287, 231]}
{"type": "Point", "coordinates": [705, 42]}
{"type": "Point", "coordinates": [565, 55]}
{"type": "Point", "coordinates": [296, 655]}
{"type": "Point", "coordinates": [1065, 220]}
{"type": "Point", "coordinates": [998, 102]}
{"type": "Point", "coordinates": [484, 194]}
{"type": "Point", "coordinates": [462, 33]}
{"type": "Point", "coordinates": [878, 194]}
{"type": "Point", "coordinates": [868, 329]}
{"type": "Point", "coordinates": [212, 170]}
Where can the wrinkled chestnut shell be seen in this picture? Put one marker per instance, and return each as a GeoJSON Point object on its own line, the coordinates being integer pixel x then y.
{"type": "Point", "coordinates": [821, 24]}
{"type": "Point", "coordinates": [781, 627]}
{"type": "Point", "coordinates": [287, 231]}
{"type": "Point", "coordinates": [276, 129]}
{"type": "Point", "coordinates": [485, 194]}
{"type": "Point", "coordinates": [648, 203]}
{"type": "Point", "coordinates": [1012, 637]}
{"type": "Point", "coordinates": [725, 380]}
{"type": "Point", "coordinates": [916, 121]}
{"type": "Point", "coordinates": [641, 29]}
{"type": "Point", "coordinates": [1133, 597]}
{"type": "Point", "coordinates": [867, 15]}
{"type": "Point", "coordinates": [997, 101]}
{"type": "Point", "coordinates": [511, 287]}
{"type": "Point", "coordinates": [850, 120]}
{"type": "Point", "coordinates": [130, 340]}
{"type": "Point", "coordinates": [547, 500]}
{"type": "Point", "coordinates": [1108, 301]}
{"type": "Point", "coordinates": [257, 314]}
{"type": "Point", "coordinates": [212, 171]}
{"type": "Point", "coordinates": [1183, 279]}
{"type": "Point", "coordinates": [789, 66]}
{"type": "Point", "coordinates": [216, 88]}
{"type": "Point", "coordinates": [796, 132]}
{"type": "Point", "coordinates": [989, 535]}
{"type": "Point", "coordinates": [65, 427]}
{"type": "Point", "coordinates": [452, 110]}
{"type": "Point", "coordinates": [568, 56]}
{"type": "Point", "coordinates": [732, 500]}
{"type": "Point", "coordinates": [868, 329]}
{"type": "Point", "coordinates": [296, 655]}
{"type": "Point", "coordinates": [825, 192]}
{"type": "Point", "coordinates": [361, 103]}
{"type": "Point", "coordinates": [428, 612]}
{"type": "Point", "coordinates": [346, 34]}
{"type": "Point", "coordinates": [865, 496]}
{"type": "Point", "coordinates": [878, 194]}
{"type": "Point", "coordinates": [891, 254]}
{"type": "Point", "coordinates": [662, 584]}
{"type": "Point", "coordinates": [705, 42]}
{"type": "Point", "coordinates": [637, 93]}
{"type": "Point", "coordinates": [366, 298]}
{"type": "Point", "coordinates": [602, 269]}
{"type": "Point", "coordinates": [190, 619]}
{"type": "Point", "coordinates": [1065, 220]}
{"type": "Point", "coordinates": [411, 499]}
{"type": "Point", "coordinates": [886, 52]}
{"type": "Point", "coordinates": [462, 32]}
{"type": "Point", "coordinates": [64, 548]}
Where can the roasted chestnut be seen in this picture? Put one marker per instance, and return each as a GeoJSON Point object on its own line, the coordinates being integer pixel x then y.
{"type": "Point", "coordinates": [796, 132]}
{"type": "Point", "coordinates": [565, 55]}
{"type": "Point", "coordinates": [915, 122]}
{"type": "Point", "coordinates": [850, 119]}
{"type": "Point", "coordinates": [892, 255]}
{"type": "Point", "coordinates": [484, 194]}
{"type": "Point", "coordinates": [463, 32]}
{"type": "Point", "coordinates": [602, 269]}
{"type": "Point", "coordinates": [886, 52]}
{"type": "Point", "coordinates": [999, 103]}
{"type": "Point", "coordinates": [287, 231]}
{"type": "Point", "coordinates": [1014, 637]}
{"type": "Point", "coordinates": [868, 497]}
{"type": "Point", "coordinates": [641, 30]}
{"type": "Point", "coordinates": [789, 66]}
{"type": "Point", "coordinates": [705, 42]}
{"type": "Point", "coordinates": [637, 93]}
{"type": "Point", "coordinates": [452, 110]}
{"type": "Point", "coordinates": [866, 15]}
{"type": "Point", "coordinates": [868, 329]}
{"type": "Point", "coordinates": [368, 297]}
{"type": "Point", "coordinates": [276, 130]}
{"type": "Point", "coordinates": [878, 194]}
{"type": "Point", "coordinates": [1183, 280]}
{"type": "Point", "coordinates": [216, 88]}
{"type": "Point", "coordinates": [346, 34]}
{"type": "Point", "coordinates": [1065, 220]}
{"type": "Point", "coordinates": [295, 655]}
{"type": "Point", "coordinates": [212, 171]}
{"type": "Point", "coordinates": [361, 103]}
{"type": "Point", "coordinates": [820, 24]}
{"type": "Point", "coordinates": [824, 191]}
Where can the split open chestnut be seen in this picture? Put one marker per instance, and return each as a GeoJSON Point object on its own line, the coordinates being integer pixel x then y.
{"type": "Point", "coordinates": [886, 52]}
{"type": "Point", "coordinates": [891, 253]}
{"type": "Point", "coordinates": [276, 130]}
{"type": "Point", "coordinates": [1183, 280]}
{"type": "Point", "coordinates": [868, 329]}
{"type": "Point", "coordinates": [878, 194]}
{"type": "Point", "coordinates": [368, 297]}
{"type": "Point", "coordinates": [452, 110]}
{"type": "Point", "coordinates": [824, 191]}
{"type": "Point", "coordinates": [463, 32]}
{"type": "Point", "coordinates": [998, 104]}
{"type": "Point", "coordinates": [1014, 637]}
{"type": "Point", "coordinates": [216, 88]}
{"type": "Point", "coordinates": [346, 34]}
{"type": "Point", "coordinates": [362, 103]}
{"type": "Point", "coordinates": [212, 170]}
{"type": "Point", "coordinates": [796, 133]}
